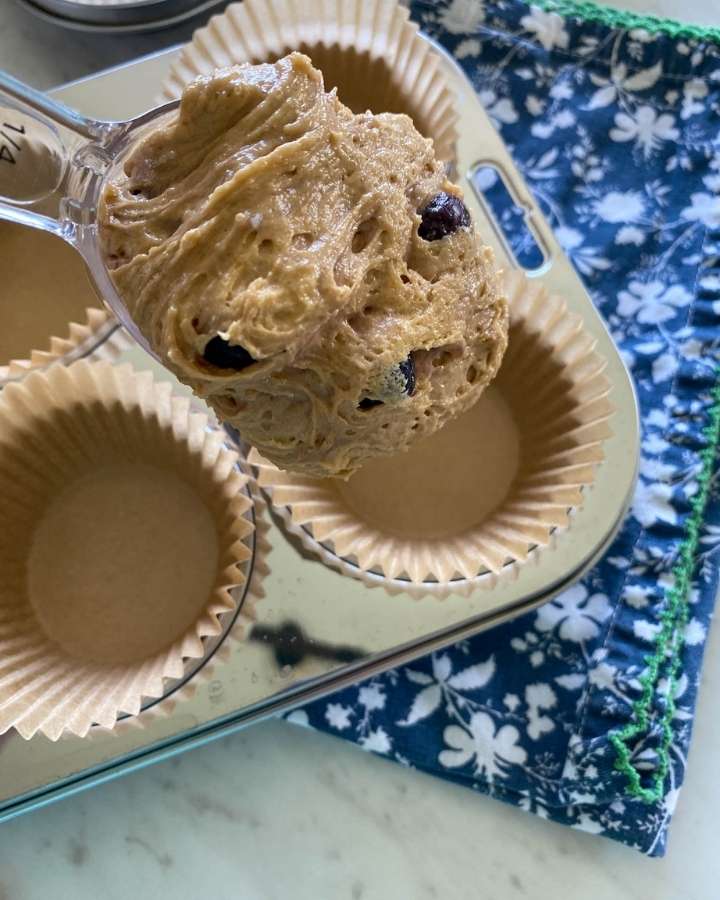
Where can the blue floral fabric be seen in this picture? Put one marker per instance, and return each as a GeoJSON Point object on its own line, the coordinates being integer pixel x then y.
{"type": "Point", "coordinates": [617, 133]}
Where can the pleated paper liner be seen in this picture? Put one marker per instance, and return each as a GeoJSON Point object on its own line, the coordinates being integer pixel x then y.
{"type": "Point", "coordinates": [485, 494]}
{"type": "Point", "coordinates": [238, 628]}
{"type": "Point", "coordinates": [48, 309]}
{"type": "Point", "coordinates": [125, 527]}
{"type": "Point", "coordinates": [370, 51]}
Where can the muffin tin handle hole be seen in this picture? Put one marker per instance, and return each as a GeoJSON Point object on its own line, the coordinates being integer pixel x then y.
{"type": "Point", "coordinates": [513, 222]}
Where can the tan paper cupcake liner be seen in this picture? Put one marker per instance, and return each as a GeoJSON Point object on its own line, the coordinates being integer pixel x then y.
{"type": "Point", "coordinates": [99, 337]}
{"type": "Point", "coordinates": [370, 51]}
{"type": "Point", "coordinates": [50, 307]}
{"type": "Point", "coordinates": [231, 643]}
{"type": "Point", "coordinates": [59, 671]}
{"type": "Point", "coordinates": [490, 490]}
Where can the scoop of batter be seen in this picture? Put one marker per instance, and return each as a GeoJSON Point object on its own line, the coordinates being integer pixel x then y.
{"type": "Point", "coordinates": [307, 271]}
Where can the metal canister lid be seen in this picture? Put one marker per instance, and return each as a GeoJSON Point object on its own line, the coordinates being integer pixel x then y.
{"type": "Point", "coordinates": [118, 15]}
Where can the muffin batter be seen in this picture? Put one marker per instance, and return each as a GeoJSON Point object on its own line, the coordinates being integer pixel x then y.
{"type": "Point", "coordinates": [308, 271]}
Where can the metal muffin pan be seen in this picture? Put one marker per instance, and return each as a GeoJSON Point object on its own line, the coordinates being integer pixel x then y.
{"type": "Point", "coordinates": [318, 630]}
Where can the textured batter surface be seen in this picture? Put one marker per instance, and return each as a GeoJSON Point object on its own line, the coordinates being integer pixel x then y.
{"type": "Point", "coordinates": [309, 272]}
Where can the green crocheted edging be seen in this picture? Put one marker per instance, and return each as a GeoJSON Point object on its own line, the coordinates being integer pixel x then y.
{"type": "Point", "coordinates": [670, 640]}
{"type": "Point", "coordinates": [618, 18]}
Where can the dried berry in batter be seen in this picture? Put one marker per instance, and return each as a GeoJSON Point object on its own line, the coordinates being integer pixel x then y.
{"type": "Point", "coordinates": [407, 370]}
{"type": "Point", "coordinates": [219, 352]}
{"type": "Point", "coordinates": [443, 215]}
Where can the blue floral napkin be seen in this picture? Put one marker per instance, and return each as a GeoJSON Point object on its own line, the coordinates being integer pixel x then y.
{"type": "Point", "coordinates": [582, 711]}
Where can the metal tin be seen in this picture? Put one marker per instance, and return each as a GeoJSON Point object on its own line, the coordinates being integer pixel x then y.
{"type": "Point", "coordinates": [118, 16]}
{"type": "Point", "coordinates": [317, 630]}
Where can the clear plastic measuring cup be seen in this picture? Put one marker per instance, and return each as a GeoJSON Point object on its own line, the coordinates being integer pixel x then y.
{"type": "Point", "coordinates": [49, 150]}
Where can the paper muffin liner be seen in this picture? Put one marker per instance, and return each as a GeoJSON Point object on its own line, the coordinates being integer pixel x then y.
{"type": "Point", "coordinates": [56, 427]}
{"type": "Point", "coordinates": [488, 492]}
{"type": "Point", "coordinates": [97, 335]}
{"type": "Point", "coordinates": [236, 634]}
{"type": "Point", "coordinates": [370, 51]}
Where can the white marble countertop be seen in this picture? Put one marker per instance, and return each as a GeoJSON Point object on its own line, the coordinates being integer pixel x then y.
{"type": "Point", "coordinates": [277, 811]}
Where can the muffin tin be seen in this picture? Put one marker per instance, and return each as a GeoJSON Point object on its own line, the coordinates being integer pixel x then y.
{"type": "Point", "coordinates": [317, 630]}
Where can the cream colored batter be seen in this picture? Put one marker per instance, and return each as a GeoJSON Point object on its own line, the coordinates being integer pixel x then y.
{"type": "Point", "coordinates": [308, 271]}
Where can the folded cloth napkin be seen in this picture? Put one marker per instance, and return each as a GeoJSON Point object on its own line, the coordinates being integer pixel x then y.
{"type": "Point", "coordinates": [582, 711]}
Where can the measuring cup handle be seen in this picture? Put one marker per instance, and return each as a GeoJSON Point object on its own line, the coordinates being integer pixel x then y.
{"type": "Point", "coordinates": [22, 216]}
{"type": "Point", "coordinates": [40, 143]}
{"type": "Point", "coordinates": [32, 99]}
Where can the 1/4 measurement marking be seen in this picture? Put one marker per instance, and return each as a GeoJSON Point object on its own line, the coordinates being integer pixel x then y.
{"type": "Point", "coordinates": [6, 154]}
